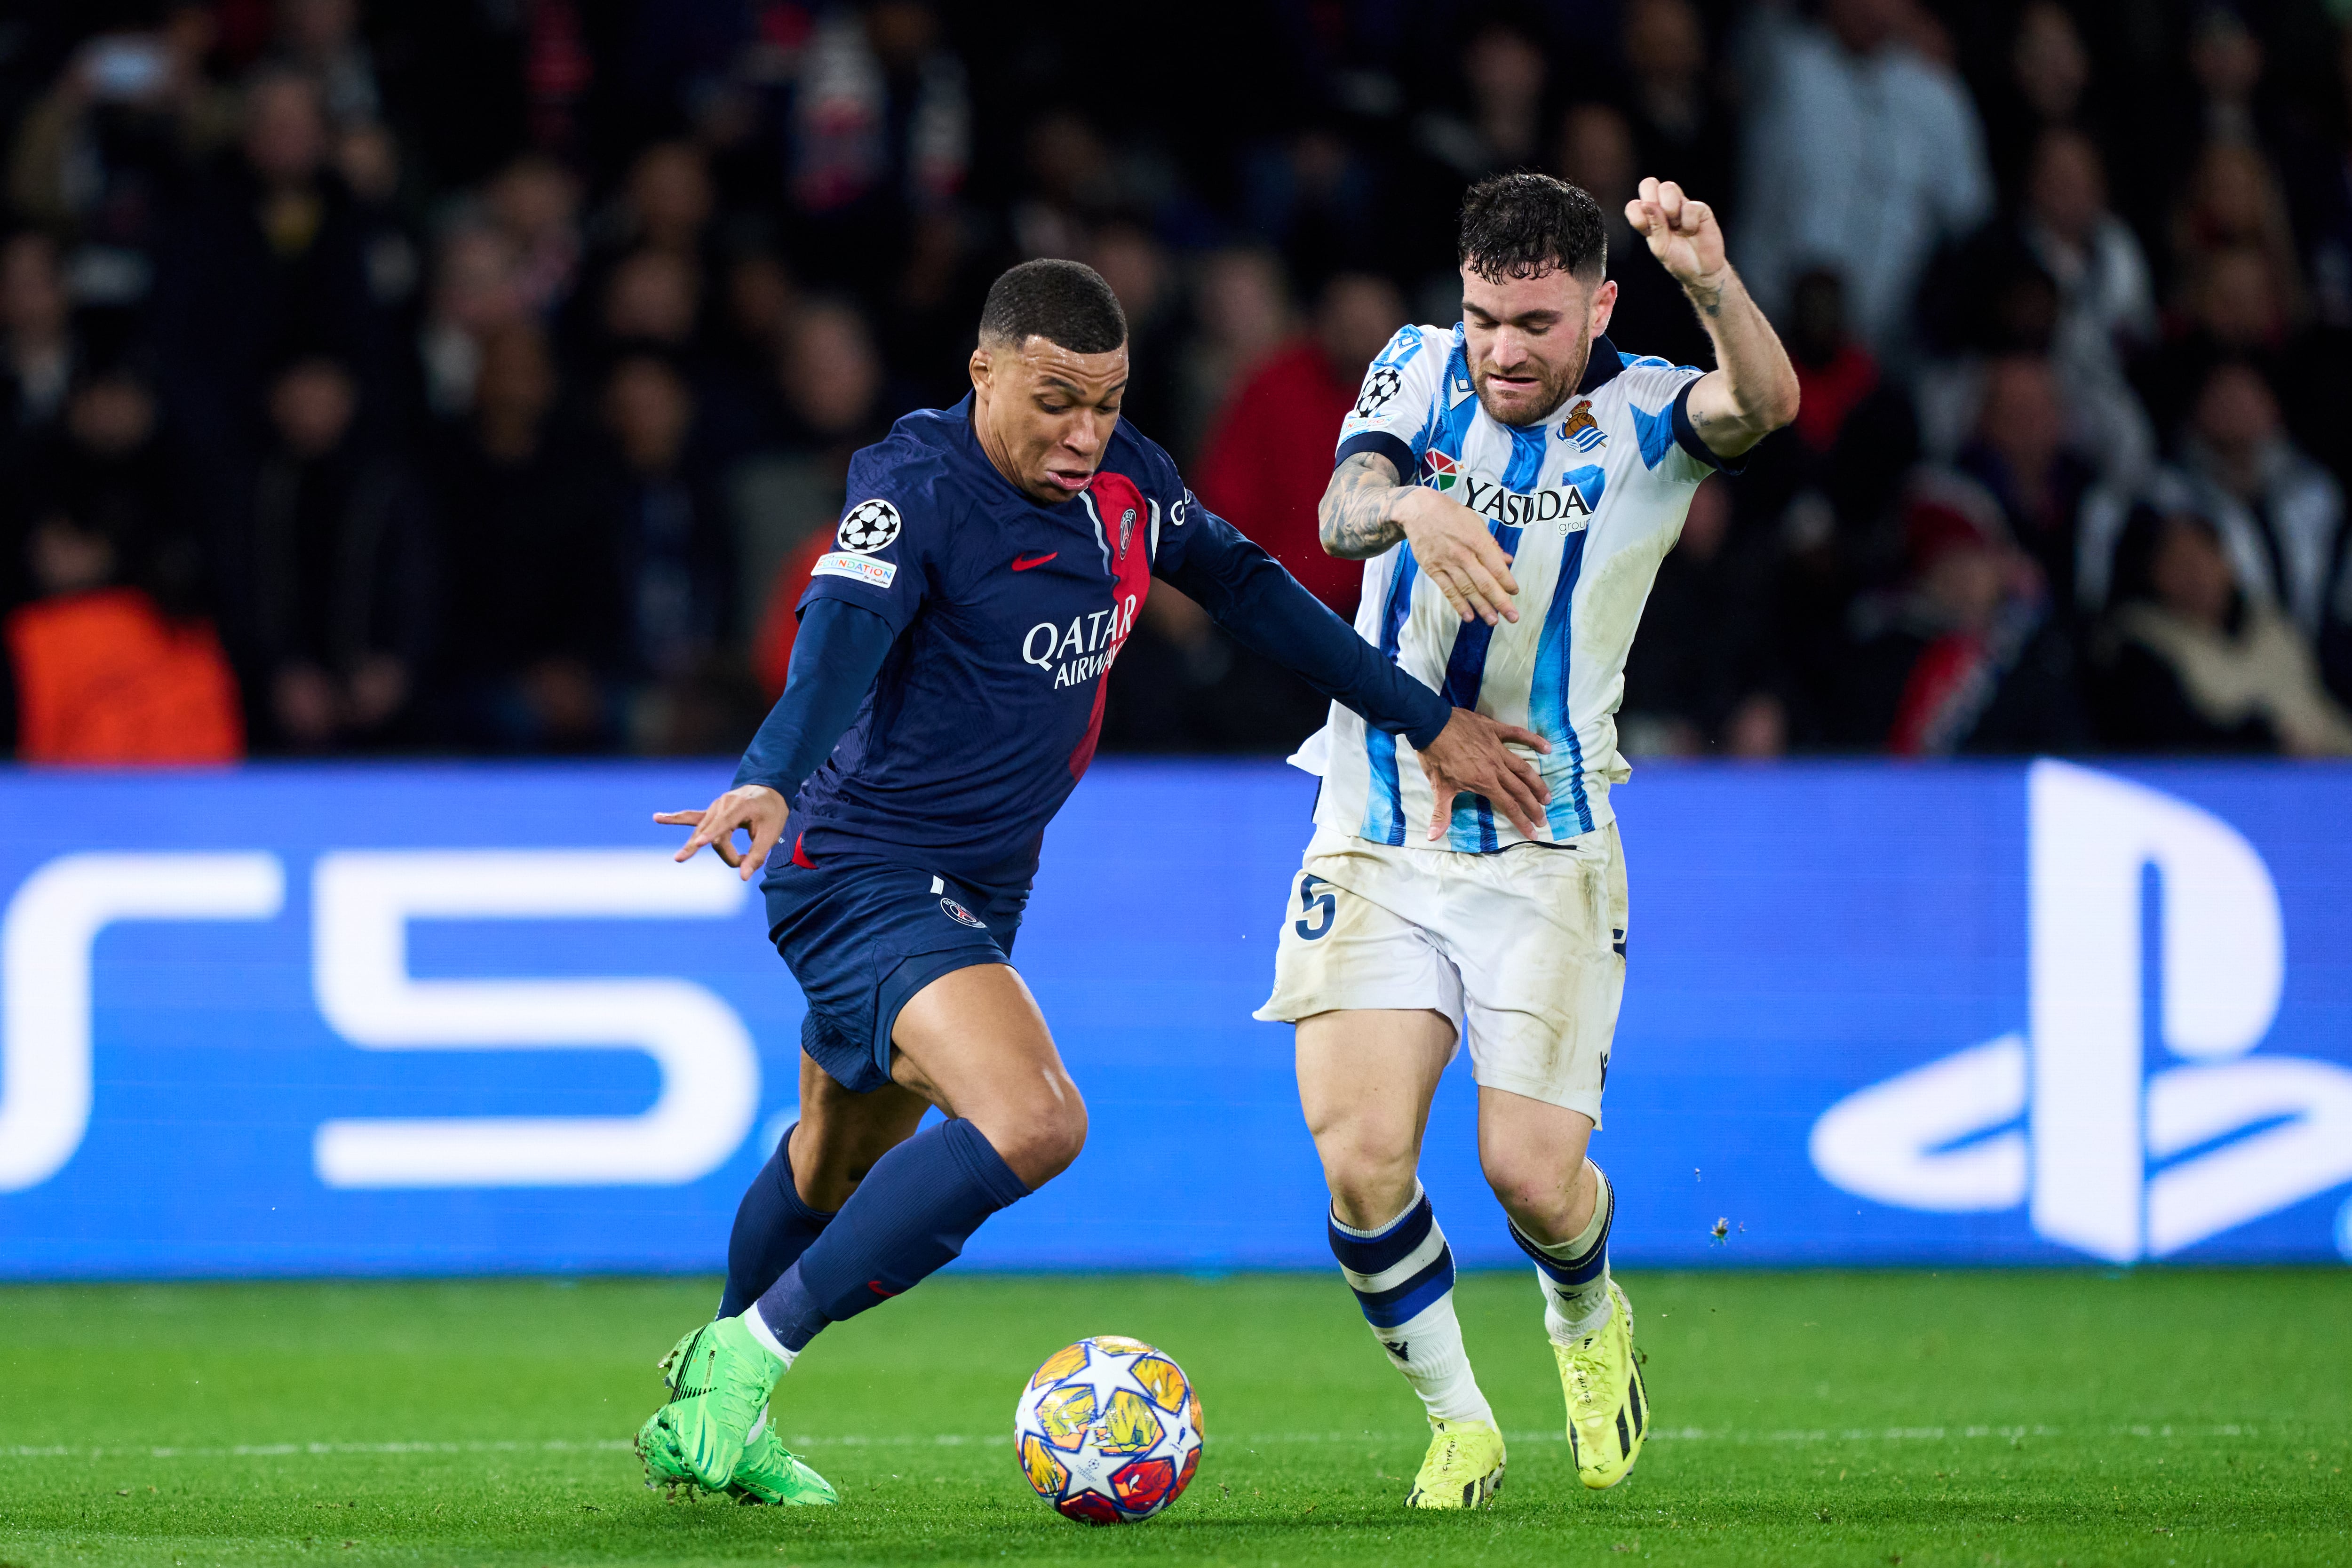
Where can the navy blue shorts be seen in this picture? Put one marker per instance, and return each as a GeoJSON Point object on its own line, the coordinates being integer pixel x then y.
{"type": "Point", "coordinates": [863, 937]}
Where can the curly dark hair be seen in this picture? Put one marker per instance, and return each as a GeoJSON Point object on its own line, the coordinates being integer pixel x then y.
{"type": "Point", "coordinates": [1521, 225]}
{"type": "Point", "coordinates": [1065, 302]}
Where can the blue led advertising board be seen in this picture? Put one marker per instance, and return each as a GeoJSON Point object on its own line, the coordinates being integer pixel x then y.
{"type": "Point", "coordinates": [440, 1020]}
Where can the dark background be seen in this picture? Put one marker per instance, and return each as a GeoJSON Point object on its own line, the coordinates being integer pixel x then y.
{"type": "Point", "coordinates": [478, 375]}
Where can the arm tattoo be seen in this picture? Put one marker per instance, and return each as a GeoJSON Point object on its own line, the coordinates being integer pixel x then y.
{"type": "Point", "coordinates": [1358, 513]}
{"type": "Point", "coordinates": [1709, 298]}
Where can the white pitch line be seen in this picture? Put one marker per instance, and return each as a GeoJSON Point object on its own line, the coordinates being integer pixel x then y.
{"type": "Point", "coordinates": [812, 1441]}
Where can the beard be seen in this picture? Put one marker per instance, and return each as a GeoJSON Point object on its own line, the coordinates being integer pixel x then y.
{"type": "Point", "coordinates": [1555, 385]}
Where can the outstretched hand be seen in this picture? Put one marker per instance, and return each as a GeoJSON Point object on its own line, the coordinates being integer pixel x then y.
{"type": "Point", "coordinates": [1682, 232]}
{"type": "Point", "coordinates": [755, 809]}
{"type": "Point", "coordinates": [1473, 755]}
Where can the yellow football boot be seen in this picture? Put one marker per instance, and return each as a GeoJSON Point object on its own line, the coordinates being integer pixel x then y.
{"type": "Point", "coordinates": [1608, 1409]}
{"type": "Point", "coordinates": [1464, 1467]}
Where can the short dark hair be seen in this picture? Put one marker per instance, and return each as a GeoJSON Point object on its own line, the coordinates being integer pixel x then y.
{"type": "Point", "coordinates": [1520, 225]}
{"type": "Point", "coordinates": [1066, 302]}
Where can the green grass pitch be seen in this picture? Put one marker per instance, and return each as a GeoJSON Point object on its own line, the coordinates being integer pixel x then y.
{"type": "Point", "coordinates": [2159, 1417]}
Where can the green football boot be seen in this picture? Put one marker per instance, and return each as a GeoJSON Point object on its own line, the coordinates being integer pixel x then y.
{"type": "Point", "coordinates": [720, 1379]}
{"type": "Point", "coordinates": [770, 1475]}
{"type": "Point", "coordinates": [657, 1450]}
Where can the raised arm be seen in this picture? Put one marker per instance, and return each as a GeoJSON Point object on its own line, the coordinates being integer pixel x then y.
{"type": "Point", "coordinates": [1752, 391]}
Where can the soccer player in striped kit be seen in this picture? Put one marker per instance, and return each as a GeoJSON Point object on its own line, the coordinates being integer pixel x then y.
{"type": "Point", "coordinates": [1511, 484]}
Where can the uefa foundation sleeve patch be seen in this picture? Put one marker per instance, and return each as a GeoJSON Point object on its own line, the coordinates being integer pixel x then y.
{"type": "Point", "coordinates": [857, 568]}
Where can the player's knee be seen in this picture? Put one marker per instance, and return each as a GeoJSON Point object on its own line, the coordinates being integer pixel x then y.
{"type": "Point", "coordinates": [1532, 1183]}
{"type": "Point", "coordinates": [1042, 1140]}
{"type": "Point", "coordinates": [1372, 1180]}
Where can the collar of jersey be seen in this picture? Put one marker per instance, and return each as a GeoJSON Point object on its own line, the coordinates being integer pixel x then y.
{"type": "Point", "coordinates": [1601, 369]}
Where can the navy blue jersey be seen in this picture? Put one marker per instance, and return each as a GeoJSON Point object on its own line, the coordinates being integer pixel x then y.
{"type": "Point", "coordinates": [1006, 616]}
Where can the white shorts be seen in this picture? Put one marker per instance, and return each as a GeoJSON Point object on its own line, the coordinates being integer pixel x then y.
{"type": "Point", "coordinates": [1525, 951]}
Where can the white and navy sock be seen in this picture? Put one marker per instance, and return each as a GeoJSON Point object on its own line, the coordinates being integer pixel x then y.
{"type": "Point", "coordinates": [1574, 1274]}
{"type": "Point", "coordinates": [1402, 1275]}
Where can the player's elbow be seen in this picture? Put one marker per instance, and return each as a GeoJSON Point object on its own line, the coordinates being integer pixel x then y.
{"type": "Point", "coordinates": [1781, 402]}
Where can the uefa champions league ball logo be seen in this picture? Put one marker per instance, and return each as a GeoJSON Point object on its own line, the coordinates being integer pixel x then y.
{"type": "Point", "coordinates": [1378, 388]}
{"type": "Point", "coordinates": [870, 526]}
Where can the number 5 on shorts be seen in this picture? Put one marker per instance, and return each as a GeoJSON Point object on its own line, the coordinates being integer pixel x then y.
{"type": "Point", "coordinates": [1315, 903]}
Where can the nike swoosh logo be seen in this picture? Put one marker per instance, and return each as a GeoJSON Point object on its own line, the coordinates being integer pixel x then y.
{"type": "Point", "coordinates": [1019, 564]}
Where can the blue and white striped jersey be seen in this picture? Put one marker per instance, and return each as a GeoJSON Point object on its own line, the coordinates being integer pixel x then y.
{"type": "Point", "coordinates": [1586, 504]}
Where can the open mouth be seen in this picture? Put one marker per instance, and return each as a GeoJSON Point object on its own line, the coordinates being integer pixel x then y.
{"type": "Point", "coordinates": [1070, 481]}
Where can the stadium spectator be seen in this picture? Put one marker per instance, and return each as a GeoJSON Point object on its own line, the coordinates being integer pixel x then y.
{"type": "Point", "coordinates": [1702, 678]}
{"type": "Point", "coordinates": [100, 675]}
{"type": "Point", "coordinates": [2045, 88]}
{"type": "Point", "coordinates": [2231, 203]}
{"type": "Point", "coordinates": [536, 628]}
{"type": "Point", "coordinates": [1683, 129]}
{"type": "Point", "coordinates": [2280, 513]}
{"type": "Point", "coordinates": [1964, 656]}
{"type": "Point", "coordinates": [1652, 315]}
{"type": "Point", "coordinates": [2030, 462]}
{"type": "Point", "coordinates": [320, 39]}
{"type": "Point", "coordinates": [1264, 466]}
{"type": "Point", "coordinates": [2191, 661]}
{"type": "Point", "coordinates": [37, 344]}
{"type": "Point", "coordinates": [476, 291]}
{"type": "Point", "coordinates": [1314, 197]}
{"type": "Point", "coordinates": [673, 533]}
{"type": "Point", "coordinates": [110, 465]}
{"type": "Point", "coordinates": [1860, 154]}
{"type": "Point", "coordinates": [880, 132]}
{"type": "Point", "coordinates": [1243, 306]}
{"type": "Point", "coordinates": [266, 260]}
{"type": "Point", "coordinates": [1070, 182]}
{"type": "Point", "coordinates": [1143, 275]}
{"type": "Point", "coordinates": [653, 297]}
{"type": "Point", "coordinates": [1503, 77]}
{"type": "Point", "coordinates": [99, 155]}
{"type": "Point", "coordinates": [833, 400]}
{"type": "Point", "coordinates": [534, 204]}
{"type": "Point", "coordinates": [336, 580]}
{"type": "Point", "coordinates": [668, 202]}
{"type": "Point", "coordinates": [2106, 300]}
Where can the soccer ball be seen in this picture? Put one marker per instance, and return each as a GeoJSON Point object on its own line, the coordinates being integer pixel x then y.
{"type": "Point", "coordinates": [1108, 1431]}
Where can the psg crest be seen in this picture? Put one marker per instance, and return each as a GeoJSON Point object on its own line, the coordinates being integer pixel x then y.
{"type": "Point", "coordinates": [870, 525]}
{"type": "Point", "coordinates": [956, 913]}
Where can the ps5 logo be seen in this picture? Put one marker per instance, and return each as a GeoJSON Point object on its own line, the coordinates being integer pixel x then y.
{"type": "Point", "coordinates": [361, 906]}
{"type": "Point", "coordinates": [2108, 1157]}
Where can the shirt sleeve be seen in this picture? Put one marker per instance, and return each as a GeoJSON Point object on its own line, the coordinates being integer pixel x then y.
{"type": "Point", "coordinates": [1391, 416]}
{"type": "Point", "coordinates": [1658, 393]}
{"type": "Point", "coordinates": [891, 530]}
{"type": "Point", "coordinates": [835, 657]}
{"type": "Point", "coordinates": [1246, 591]}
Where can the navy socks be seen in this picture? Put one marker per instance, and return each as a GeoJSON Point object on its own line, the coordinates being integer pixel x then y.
{"type": "Point", "coordinates": [773, 1228]}
{"type": "Point", "coordinates": [909, 1217]}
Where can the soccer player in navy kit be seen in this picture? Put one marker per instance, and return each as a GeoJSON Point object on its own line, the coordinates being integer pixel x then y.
{"type": "Point", "coordinates": [945, 694]}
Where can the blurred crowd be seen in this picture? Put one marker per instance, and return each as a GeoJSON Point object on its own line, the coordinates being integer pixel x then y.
{"type": "Point", "coordinates": [481, 375]}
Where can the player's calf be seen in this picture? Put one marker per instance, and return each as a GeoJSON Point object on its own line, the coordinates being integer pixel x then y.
{"type": "Point", "coordinates": [1403, 1277]}
{"type": "Point", "coordinates": [1591, 1330]}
